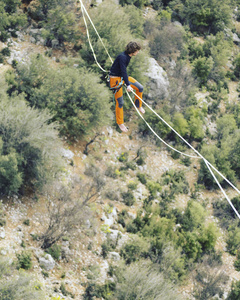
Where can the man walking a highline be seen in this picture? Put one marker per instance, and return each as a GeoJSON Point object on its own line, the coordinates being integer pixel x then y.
{"type": "Point", "coordinates": [118, 76]}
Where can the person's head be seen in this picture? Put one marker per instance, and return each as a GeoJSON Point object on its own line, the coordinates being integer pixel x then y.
{"type": "Point", "coordinates": [132, 48]}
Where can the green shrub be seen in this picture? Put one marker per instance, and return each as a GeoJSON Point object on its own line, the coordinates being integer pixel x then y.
{"type": "Point", "coordinates": [191, 246]}
{"type": "Point", "coordinates": [26, 222]}
{"type": "Point", "coordinates": [99, 291]}
{"type": "Point", "coordinates": [186, 161]}
{"type": "Point", "coordinates": [123, 217]}
{"type": "Point", "coordinates": [55, 251]}
{"type": "Point", "coordinates": [194, 216]}
{"type": "Point", "coordinates": [6, 51]}
{"type": "Point", "coordinates": [2, 216]}
{"type": "Point", "coordinates": [158, 126]}
{"type": "Point", "coordinates": [167, 38]}
{"type": "Point", "coordinates": [236, 64]}
{"type": "Point", "coordinates": [177, 181]}
{"type": "Point", "coordinates": [30, 149]}
{"type": "Point", "coordinates": [67, 92]}
{"type": "Point", "coordinates": [237, 261]}
{"type": "Point", "coordinates": [202, 67]}
{"type": "Point", "coordinates": [123, 157]}
{"type": "Point", "coordinates": [233, 240]}
{"type": "Point", "coordinates": [64, 291]}
{"type": "Point", "coordinates": [111, 172]}
{"type": "Point", "coordinates": [10, 176]}
{"type": "Point", "coordinates": [180, 124]}
{"type": "Point", "coordinates": [11, 18]}
{"type": "Point", "coordinates": [203, 15]}
{"type": "Point", "coordinates": [142, 178]}
{"type": "Point", "coordinates": [154, 188]}
{"type": "Point", "coordinates": [137, 3]}
{"type": "Point", "coordinates": [235, 291]}
{"type": "Point", "coordinates": [208, 237]}
{"type": "Point", "coordinates": [134, 249]}
{"type": "Point", "coordinates": [24, 260]}
{"type": "Point", "coordinates": [128, 198]}
{"type": "Point", "coordinates": [132, 185]}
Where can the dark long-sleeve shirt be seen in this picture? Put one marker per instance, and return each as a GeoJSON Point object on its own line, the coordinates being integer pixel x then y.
{"type": "Point", "coordinates": [119, 67]}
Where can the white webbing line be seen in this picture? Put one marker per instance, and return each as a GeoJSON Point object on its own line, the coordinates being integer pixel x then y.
{"type": "Point", "coordinates": [200, 156]}
{"type": "Point", "coordinates": [174, 149]}
{"type": "Point", "coordinates": [208, 164]}
{"type": "Point", "coordinates": [83, 8]}
{"type": "Point", "coordinates": [229, 201]}
{"type": "Point", "coordinates": [89, 41]}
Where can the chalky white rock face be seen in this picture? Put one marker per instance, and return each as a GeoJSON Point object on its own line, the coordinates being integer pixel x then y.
{"type": "Point", "coordinates": [47, 262]}
{"type": "Point", "coordinates": [158, 81]}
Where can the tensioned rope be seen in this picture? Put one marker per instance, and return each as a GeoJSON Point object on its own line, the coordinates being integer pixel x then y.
{"type": "Point", "coordinates": [208, 164]}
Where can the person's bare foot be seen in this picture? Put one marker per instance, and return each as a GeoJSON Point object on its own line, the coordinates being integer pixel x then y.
{"type": "Point", "coordinates": [142, 110]}
{"type": "Point", "coordinates": [123, 127]}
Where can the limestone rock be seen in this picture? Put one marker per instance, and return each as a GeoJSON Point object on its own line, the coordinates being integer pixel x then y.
{"type": "Point", "coordinates": [158, 81]}
{"type": "Point", "coordinates": [2, 233]}
{"type": "Point", "coordinates": [47, 262]}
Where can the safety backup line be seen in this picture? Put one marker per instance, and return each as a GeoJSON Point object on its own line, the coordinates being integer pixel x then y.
{"type": "Point", "coordinates": [208, 164]}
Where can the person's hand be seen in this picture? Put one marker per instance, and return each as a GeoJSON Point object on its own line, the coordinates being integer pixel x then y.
{"type": "Point", "coordinates": [129, 88]}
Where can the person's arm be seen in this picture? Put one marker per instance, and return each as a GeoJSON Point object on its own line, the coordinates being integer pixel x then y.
{"type": "Point", "coordinates": [123, 67]}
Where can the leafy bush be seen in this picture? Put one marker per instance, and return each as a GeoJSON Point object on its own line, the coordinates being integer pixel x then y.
{"type": "Point", "coordinates": [137, 3]}
{"type": "Point", "coordinates": [142, 178]}
{"type": "Point", "coordinates": [24, 260]}
{"type": "Point", "coordinates": [202, 67]}
{"type": "Point", "coordinates": [128, 198]}
{"type": "Point", "coordinates": [158, 126]}
{"type": "Point", "coordinates": [96, 290]}
{"type": "Point", "coordinates": [166, 40]}
{"type": "Point", "coordinates": [154, 188]}
{"type": "Point", "coordinates": [177, 181]}
{"type": "Point", "coordinates": [180, 124]}
{"type": "Point", "coordinates": [235, 291]}
{"type": "Point", "coordinates": [55, 251]}
{"type": "Point", "coordinates": [203, 15]}
{"type": "Point", "coordinates": [217, 157]}
{"type": "Point", "coordinates": [237, 261]}
{"type": "Point", "coordinates": [30, 147]}
{"type": "Point", "coordinates": [233, 240]}
{"type": "Point", "coordinates": [6, 51]}
{"type": "Point", "coordinates": [11, 17]}
{"type": "Point", "coordinates": [194, 216]}
{"type": "Point", "coordinates": [68, 93]}
{"type": "Point", "coordinates": [57, 19]}
{"type": "Point", "coordinates": [134, 249]}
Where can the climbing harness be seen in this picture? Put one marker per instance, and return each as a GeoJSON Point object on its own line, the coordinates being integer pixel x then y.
{"type": "Point", "coordinates": [199, 156]}
{"type": "Point", "coordinates": [116, 88]}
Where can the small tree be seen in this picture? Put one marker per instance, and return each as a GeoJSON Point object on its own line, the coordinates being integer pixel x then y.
{"type": "Point", "coordinates": [68, 207]}
{"type": "Point", "coordinates": [142, 281]}
{"type": "Point", "coordinates": [202, 67]}
{"type": "Point", "coordinates": [209, 280]}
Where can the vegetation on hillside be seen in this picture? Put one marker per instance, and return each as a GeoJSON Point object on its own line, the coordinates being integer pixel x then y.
{"type": "Point", "coordinates": [42, 103]}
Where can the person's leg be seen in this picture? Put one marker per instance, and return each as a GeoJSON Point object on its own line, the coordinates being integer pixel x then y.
{"type": "Point", "coordinates": [139, 91]}
{"type": "Point", "coordinates": [114, 81]}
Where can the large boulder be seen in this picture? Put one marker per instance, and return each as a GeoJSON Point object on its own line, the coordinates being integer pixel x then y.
{"type": "Point", "coordinates": [158, 81]}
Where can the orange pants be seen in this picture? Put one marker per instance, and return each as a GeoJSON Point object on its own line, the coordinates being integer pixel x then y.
{"type": "Point", "coordinates": [114, 81]}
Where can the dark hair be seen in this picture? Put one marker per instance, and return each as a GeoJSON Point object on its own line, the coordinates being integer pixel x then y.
{"type": "Point", "coordinates": [132, 47]}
